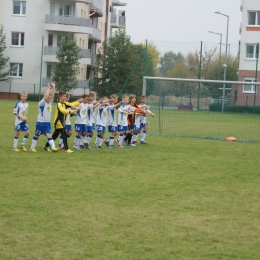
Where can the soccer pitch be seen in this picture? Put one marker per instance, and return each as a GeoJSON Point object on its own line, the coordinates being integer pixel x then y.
{"type": "Point", "coordinates": [175, 198]}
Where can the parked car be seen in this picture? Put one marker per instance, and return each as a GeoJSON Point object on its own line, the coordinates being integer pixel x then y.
{"type": "Point", "coordinates": [185, 105]}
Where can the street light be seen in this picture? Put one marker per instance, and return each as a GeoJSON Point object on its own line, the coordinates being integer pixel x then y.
{"type": "Point", "coordinates": [219, 60]}
{"type": "Point", "coordinates": [225, 67]}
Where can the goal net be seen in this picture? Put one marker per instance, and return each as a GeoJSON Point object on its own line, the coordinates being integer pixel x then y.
{"type": "Point", "coordinates": [209, 109]}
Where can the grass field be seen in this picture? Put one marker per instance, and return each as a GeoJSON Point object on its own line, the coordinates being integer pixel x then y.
{"type": "Point", "coordinates": [175, 198]}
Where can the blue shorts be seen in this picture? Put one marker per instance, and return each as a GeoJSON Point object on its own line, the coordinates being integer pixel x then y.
{"type": "Point", "coordinates": [21, 127]}
{"type": "Point", "coordinates": [90, 129]}
{"type": "Point", "coordinates": [42, 128]}
{"type": "Point", "coordinates": [68, 128]}
{"type": "Point", "coordinates": [93, 125]}
{"type": "Point", "coordinates": [122, 128]}
{"type": "Point", "coordinates": [100, 129]}
{"type": "Point", "coordinates": [112, 129]}
{"type": "Point", "coordinates": [80, 128]}
{"type": "Point", "coordinates": [136, 128]}
{"type": "Point", "coordinates": [142, 125]}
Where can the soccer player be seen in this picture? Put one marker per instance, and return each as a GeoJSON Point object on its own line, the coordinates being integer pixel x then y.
{"type": "Point", "coordinates": [61, 113]}
{"type": "Point", "coordinates": [80, 121]}
{"type": "Point", "coordinates": [143, 122]}
{"type": "Point", "coordinates": [90, 121]}
{"type": "Point", "coordinates": [101, 122]}
{"type": "Point", "coordinates": [68, 127]}
{"type": "Point", "coordinates": [43, 125]}
{"type": "Point", "coordinates": [112, 120]}
{"type": "Point", "coordinates": [21, 118]}
{"type": "Point", "coordinates": [131, 119]}
{"type": "Point", "coordinates": [124, 110]}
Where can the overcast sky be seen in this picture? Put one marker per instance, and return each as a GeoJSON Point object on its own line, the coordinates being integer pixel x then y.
{"type": "Point", "coordinates": [182, 21]}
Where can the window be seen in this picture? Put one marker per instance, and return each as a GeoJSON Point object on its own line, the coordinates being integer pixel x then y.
{"type": "Point", "coordinates": [50, 40]}
{"type": "Point", "coordinates": [19, 7]}
{"type": "Point", "coordinates": [64, 10]}
{"type": "Point", "coordinates": [16, 69]}
{"type": "Point", "coordinates": [52, 8]}
{"type": "Point", "coordinates": [49, 69]}
{"type": "Point", "coordinates": [58, 40]}
{"type": "Point", "coordinates": [249, 88]}
{"type": "Point", "coordinates": [251, 51]}
{"type": "Point", "coordinates": [17, 39]}
{"type": "Point", "coordinates": [254, 18]}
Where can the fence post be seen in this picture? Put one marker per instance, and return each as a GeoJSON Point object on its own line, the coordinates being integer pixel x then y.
{"type": "Point", "coordinates": [9, 90]}
{"type": "Point", "coordinates": [257, 56]}
{"type": "Point", "coordinates": [33, 91]}
{"type": "Point", "coordinates": [198, 105]}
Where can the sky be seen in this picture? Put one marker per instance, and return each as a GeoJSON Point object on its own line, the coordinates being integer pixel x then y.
{"type": "Point", "coordinates": [182, 21]}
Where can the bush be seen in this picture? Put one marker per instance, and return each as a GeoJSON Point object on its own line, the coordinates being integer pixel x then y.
{"type": "Point", "coordinates": [235, 109]}
{"type": "Point", "coordinates": [35, 97]}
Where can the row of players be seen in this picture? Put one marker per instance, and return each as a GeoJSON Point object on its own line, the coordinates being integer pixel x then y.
{"type": "Point", "coordinates": [130, 123]}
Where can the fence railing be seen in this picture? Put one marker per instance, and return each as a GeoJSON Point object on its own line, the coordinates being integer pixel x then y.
{"type": "Point", "coordinates": [68, 20]}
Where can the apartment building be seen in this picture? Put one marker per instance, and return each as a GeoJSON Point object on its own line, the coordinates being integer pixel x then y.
{"type": "Point", "coordinates": [250, 36]}
{"type": "Point", "coordinates": [34, 29]}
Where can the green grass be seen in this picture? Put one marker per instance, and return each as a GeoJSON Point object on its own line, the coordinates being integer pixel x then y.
{"type": "Point", "coordinates": [175, 198]}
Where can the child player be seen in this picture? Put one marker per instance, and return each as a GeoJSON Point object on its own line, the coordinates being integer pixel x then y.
{"type": "Point", "coordinates": [131, 119]}
{"type": "Point", "coordinates": [90, 121]}
{"type": "Point", "coordinates": [124, 111]}
{"type": "Point", "coordinates": [61, 113]}
{"type": "Point", "coordinates": [21, 118]}
{"type": "Point", "coordinates": [143, 123]}
{"type": "Point", "coordinates": [80, 121]}
{"type": "Point", "coordinates": [43, 125]}
{"type": "Point", "coordinates": [112, 120]}
{"type": "Point", "coordinates": [101, 122]}
{"type": "Point", "coordinates": [68, 127]}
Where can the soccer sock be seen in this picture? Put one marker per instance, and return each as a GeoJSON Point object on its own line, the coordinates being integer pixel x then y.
{"type": "Point", "coordinates": [77, 141]}
{"type": "Point", "coordinates": [120, 139]}
{"type": "Point", "coordinates": [61, 141]}
{"type": "Point", "coordinates": [25, 138]}
{"type": "Point", "coordinates": [143, 135]}
{"type": "Point", "coordinates": [134, 138]}
{"type": "Point", "coordinates": [89, 137]}
{"type": "Point", "coordinates": [96, 139]}
{"type": "Point", "coordinates": [100, 139]}
{"type": "Point", "coordinates": [111, 140]}
{"type": "Point", "coordinates": [15, 142]}
{"type": "Point", "coordinates": [51, 142]}
{"type": "Point", "coordinates": [34, 142]}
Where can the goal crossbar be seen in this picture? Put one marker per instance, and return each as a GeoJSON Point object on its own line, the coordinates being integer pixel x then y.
{"type": "Point", "coordinates": [145, 78]}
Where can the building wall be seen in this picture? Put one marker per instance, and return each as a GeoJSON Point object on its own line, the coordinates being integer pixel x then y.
{"type": "Point", "coordinates": [247, 66]}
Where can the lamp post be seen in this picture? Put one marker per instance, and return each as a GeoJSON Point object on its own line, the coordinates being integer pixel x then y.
{"type": "Point", "coordinates": [225, 64]}
{"type": "Point", "coordinates": [219, 60]}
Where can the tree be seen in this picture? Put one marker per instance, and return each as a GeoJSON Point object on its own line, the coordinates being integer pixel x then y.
{"type": "Point", "coordinates": [66, 71]}
{"type": "Point", "coordinates": [115, 60]}
{"type": "Point", "coordinates": [4, 75]}
{"type": "Point", "coordinates": [168, 61]}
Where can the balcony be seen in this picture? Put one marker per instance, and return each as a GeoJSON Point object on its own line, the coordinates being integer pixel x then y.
{"type": "Point", "coordinates": [118, 20]}
{"type": "Point", "coordinates": [82, 84]}
{"type": "Point", "coordinates": [96, 8]}
{"type": "Point", "coordinates": [50, 55]}
{"type": "Point", "coordinates": [67, 24]}
{"type": "Point", "coordinates": [118, 3]}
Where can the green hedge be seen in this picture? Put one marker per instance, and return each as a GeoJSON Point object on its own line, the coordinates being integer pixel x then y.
{"type": "Point", "coordinates": [32, 97]}
{"type": "Point", "coordinates": [235, 109]}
